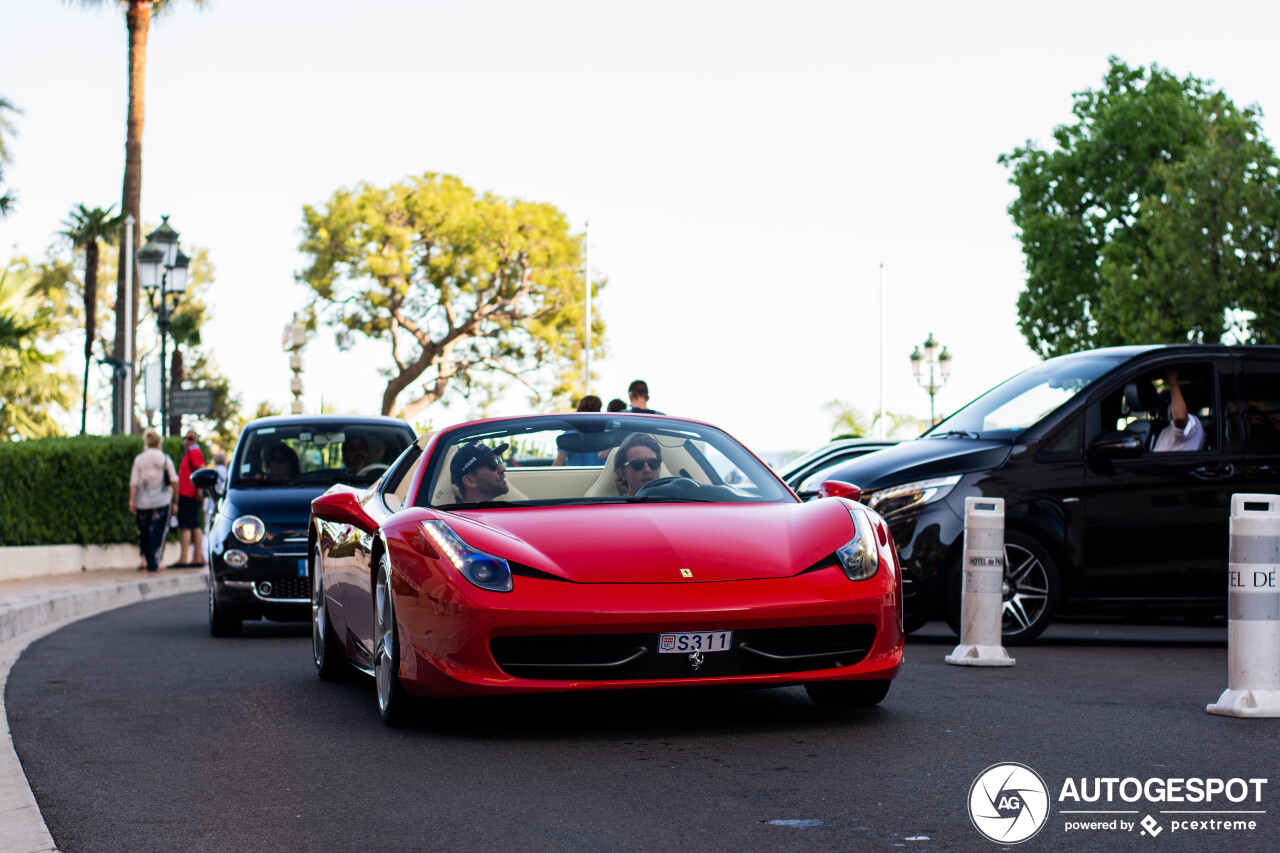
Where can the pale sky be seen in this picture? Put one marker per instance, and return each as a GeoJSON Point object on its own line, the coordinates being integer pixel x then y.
{"type": "Point", "coordinates": [746, 167]}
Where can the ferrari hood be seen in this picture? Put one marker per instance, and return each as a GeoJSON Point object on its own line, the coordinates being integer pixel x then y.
{"type": "Point", "coordinates": [653, 543]}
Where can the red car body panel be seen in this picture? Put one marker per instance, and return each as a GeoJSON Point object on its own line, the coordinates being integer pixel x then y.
{"type": "Point", "coordinates": [608, 569]}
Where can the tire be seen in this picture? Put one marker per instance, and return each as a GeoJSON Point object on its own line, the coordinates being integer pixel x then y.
{"type": "Point", "coordinates": [847, 694]}
{"type": "Point", "coordinates": [394, 704]}
{"type": "Point", "coordinates": [913, 620]}
{"type": "Point", "coordinates": [1031, 594]}
{"type": "Point", "coordinates": [326, 651]}
{"type": "Point", "coordinates": [222, 623]}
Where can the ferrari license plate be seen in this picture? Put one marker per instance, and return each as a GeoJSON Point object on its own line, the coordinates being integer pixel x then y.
{"type": "Point", "coordinates": [695, 641]}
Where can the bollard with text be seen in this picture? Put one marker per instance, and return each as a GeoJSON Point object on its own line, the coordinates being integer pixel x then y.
{"type": "Point", "coordinates": [982, 597]}
{"type": "Point", "coordinates": [1253, 610]}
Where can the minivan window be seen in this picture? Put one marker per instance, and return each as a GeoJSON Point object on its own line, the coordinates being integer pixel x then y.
{"type": "Point", "coordinates": [1024, 400]}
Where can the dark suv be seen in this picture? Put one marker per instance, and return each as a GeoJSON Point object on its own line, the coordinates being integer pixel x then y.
{"type": "Point", "coordinates": [258, 536]}
{"type": "Point", "coordinates": [1096, 519]}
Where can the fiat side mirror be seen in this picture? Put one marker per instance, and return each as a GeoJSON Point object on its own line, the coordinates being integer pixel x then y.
{"type": "Point", "coordinates": [839, 489]}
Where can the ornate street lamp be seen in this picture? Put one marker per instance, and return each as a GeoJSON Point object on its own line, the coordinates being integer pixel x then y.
{"type": "Point", "coordinates": [939, 370]}
{"type": "Point", "coordinates": [162, 272]}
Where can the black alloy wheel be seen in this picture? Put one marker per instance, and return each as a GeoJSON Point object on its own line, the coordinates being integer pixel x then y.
{"type": "Point", "coordinates": [1031, 590]}
{"type": "Point", "coordinates": [221, 623]}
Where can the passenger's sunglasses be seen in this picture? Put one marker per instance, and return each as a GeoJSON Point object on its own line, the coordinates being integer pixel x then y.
{"type": "Point", "coordinates": [638, 464]}
{"type": "Point", "coordinates": [278, 460]}
{"type": "Point", "coordinates": [493, 463]}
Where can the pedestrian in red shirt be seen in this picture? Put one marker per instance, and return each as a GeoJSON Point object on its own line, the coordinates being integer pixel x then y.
{"type": "Point", "coordinates": [189, 530]}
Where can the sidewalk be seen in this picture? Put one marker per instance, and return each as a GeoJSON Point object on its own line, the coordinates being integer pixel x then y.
{"type": "Point", "coordinates": [30, 608]}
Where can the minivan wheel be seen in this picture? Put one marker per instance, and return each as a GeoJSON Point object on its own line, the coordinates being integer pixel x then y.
{"type": "Point", "coordinates": [1031, 590]}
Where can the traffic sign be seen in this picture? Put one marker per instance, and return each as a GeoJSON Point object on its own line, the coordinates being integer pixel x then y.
{"type": "Point", "coordinates": [191, 401]}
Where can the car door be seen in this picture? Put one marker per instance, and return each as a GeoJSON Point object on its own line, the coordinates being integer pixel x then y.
{"type": "Point", "coordinates": [1260, 422]}
{"type": "Point", "coordinates": [1156, 525]}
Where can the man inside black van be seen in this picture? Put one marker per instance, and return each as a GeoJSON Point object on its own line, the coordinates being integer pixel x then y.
{"type": "Point", "coordinates": [1184, 432]}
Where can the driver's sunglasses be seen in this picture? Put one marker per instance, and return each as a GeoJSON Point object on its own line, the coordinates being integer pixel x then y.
{"type": "Point", "coordinates": [278, 460]}
{"type": "Point", "coordinates": [638, 464]}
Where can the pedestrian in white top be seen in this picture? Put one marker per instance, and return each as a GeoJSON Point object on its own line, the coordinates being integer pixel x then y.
{"type": "Point", "coordinates": [152, 497]}
{"type": "Point", "coordinates": [1184, 432]}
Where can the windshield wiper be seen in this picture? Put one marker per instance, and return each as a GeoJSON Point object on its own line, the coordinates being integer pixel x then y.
{"type": "Point", "coordinates": [665, 500]}
{"type": "Point", "coordinates": [480, 505]}
{"type": "Point", "coordinates": [962, 433]}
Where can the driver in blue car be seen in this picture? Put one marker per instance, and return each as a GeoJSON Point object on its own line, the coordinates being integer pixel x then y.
{"type": "Point", "coordinates": [637, 463]}
{"type": "Point", "coordinates": [355, 454]}
{"type": "Point", "coordinates": [478, 473]}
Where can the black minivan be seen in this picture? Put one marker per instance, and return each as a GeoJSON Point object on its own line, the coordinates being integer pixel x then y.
{"type": "Point", "coordinates": [1096, 519]}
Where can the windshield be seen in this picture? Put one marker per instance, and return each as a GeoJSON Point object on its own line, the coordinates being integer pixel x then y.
{"type": "Point", "coordinates": [592, 459]}
{"type": "Point", "coordinates": [1027, 398]}
{"type": "Point", "coordinates": [317, 454]}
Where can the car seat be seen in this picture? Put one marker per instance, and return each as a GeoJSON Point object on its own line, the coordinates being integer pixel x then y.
{"type": "Point", "coordinates": [1143, 403]}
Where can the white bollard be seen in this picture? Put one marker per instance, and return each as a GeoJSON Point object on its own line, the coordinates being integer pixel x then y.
{"type": "Point", "coordinates": [982, 597]}
{"type": "Point", "coordinates": [1253, 610]}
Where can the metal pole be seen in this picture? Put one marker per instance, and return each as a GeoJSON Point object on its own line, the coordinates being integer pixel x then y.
{"type": "Point", "coordinates": [880, 420]}
{"type": "Point", "coordinates": [164, 337]}
{"type": "Point", "coordinates": [125, 371]}
{"type": "Point", "coordinates": [587, 381]}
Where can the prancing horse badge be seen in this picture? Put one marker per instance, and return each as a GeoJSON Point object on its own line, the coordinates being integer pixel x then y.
{"type": "Point", "coordinates": [686, 573]}
{"type": "Point", "coordinates": [696, 659]}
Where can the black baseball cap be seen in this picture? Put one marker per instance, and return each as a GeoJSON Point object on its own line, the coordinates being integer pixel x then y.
{"type": "Point", "coordinates": [469, 454]}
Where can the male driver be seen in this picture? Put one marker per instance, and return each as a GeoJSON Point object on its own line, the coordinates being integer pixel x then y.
{"type": "Point", "coordinates": [355, 454]}
{"type": "Point", "coordinates": [478, 472]}
{"type": "Point", "coordinates": [189, 506]}
{"type": "Point", "coordinates": [1185, 432]}
{"type": "Point", "coordinates": [638, 393]}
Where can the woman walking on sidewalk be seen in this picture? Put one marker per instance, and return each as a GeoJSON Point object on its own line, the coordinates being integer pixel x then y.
{"type": "Point", "coordinates": [152, 498]}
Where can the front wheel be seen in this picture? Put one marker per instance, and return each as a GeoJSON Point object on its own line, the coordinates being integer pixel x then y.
{"type": "Point", "coordinates": [221, 623]}
{"type": "Point", "coordinates": [325, 649]}
{"type": "Point", "coordinates": [847, 694]}
{"type": "Point", "coordinates": [1030, 590]}
{"type": "Point", "coordinates": [393, 702]}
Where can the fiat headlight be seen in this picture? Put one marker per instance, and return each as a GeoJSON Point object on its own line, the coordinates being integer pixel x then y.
{"type": "Point", "coordinates": [484, 570]}
{"type": "Point", "coordinates": [249, 529]}
{"type": "Point", "coordinates": [859, 557]}
{"type": "Point", "coordinates": [896, 499]}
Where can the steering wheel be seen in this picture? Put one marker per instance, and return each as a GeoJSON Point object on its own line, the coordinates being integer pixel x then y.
{"type": "Point", "coordinates": [679, 484]}
{"type": "Point", "coordinates": [375, 468]}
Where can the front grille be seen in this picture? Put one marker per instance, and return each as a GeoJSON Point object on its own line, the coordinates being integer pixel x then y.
{"type": "Point", "coordinates": [288, 588]}
{"type": "Point", "coordinates": [625, 657]}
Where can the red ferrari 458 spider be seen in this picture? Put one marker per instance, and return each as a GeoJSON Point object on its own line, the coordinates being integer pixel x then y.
{"type": "Point", "coordinates": [599, 552]}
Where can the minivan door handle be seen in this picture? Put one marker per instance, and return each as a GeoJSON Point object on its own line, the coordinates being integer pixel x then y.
{"type": "Point", "coordinates": [1221, 471]}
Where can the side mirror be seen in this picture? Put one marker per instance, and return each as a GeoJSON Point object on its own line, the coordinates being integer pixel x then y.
{"type": "Point", "coordinates": [839, 489]}
{"type": "Point", "coordinates": [1117, 445]}
{"type": "Point", "coordinates": [207, 479]}
{"type": "Point", "coordinates": [343, 508]}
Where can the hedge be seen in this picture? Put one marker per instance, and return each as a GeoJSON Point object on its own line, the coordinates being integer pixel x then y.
{"type": "Point", "coordinates": [70, 491]}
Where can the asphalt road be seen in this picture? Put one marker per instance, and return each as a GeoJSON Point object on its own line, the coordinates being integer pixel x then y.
{"type": "Point", "coordinates": [140, 732]}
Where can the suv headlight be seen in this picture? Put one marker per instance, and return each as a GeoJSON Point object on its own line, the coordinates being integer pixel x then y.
{"type": "Point", "coordinates": [859, 557]}
{"type": "Point", "coordinates": [895, 499]}
{"type": "Point", "coordinates": [484, 570]}
{"type": "Point", "coordinates": [249, 529]}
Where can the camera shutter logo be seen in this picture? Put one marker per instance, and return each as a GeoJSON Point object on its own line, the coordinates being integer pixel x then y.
{"type": "Point", "coordinates": [1008, 803]}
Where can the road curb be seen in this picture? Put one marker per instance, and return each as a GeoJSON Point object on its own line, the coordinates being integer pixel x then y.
{"type": "Point", "coordinates": [21, 625]}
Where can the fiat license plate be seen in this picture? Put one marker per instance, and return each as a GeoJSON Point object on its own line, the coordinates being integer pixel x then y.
{"type": "Point", "coordinates": [695, 641]}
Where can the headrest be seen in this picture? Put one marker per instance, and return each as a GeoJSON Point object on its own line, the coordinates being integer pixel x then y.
{"type": "Point", "coordinates": [1140, 396]}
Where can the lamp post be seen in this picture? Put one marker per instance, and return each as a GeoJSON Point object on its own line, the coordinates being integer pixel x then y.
{"type": "Point", "coordinates": [939, 370]}
{"type": "Point", "coordinates": [162, 271]}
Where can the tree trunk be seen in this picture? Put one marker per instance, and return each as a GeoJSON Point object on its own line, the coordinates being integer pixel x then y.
{"type": "Point", "coordinates": [90, 321]}
{"type": "Point", "coordinates": [176, 376]}
{"type": "Point", "coordinates": [138, 21]}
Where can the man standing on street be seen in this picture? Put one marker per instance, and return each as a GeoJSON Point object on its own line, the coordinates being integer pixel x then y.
{"type": "Point", "coordinates": [638, 393]}
{"type": "Point", "coordinates": [189, 506]}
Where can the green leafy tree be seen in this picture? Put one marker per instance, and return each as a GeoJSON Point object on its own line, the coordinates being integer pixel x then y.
{"type": "Point", "coordinates": [461, 286]}
{"type": "Point", "coordinates": [6, 130]}
{"type": "Point", "coordinates": [137, 16]}
{"type": "Point", "coordinates": [31, 386]}
{"type": "Point", "coordinates": [86, 229]}
{"type": "Point", "coordinates": [1152, 220]}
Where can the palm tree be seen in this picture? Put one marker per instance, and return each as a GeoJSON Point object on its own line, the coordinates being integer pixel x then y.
{"type": "Point", "coordinates": [137, 16]}
{"type": "Point", "coordinates": [84, 228]}
{"type": "Point", "coordinates": [29, 381]}
{"type": "Point", "coordinates": [6, 129]}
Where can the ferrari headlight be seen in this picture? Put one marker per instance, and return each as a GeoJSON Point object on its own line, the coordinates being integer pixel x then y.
{"type": "Point", "coordinates": [484, 570]}
{"type": "Point", "coordinates": [895, 499]}
{"type": "Point", "coordinates": [859, 557]}
{"type": "Point", "coordinates": [249, 529]}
